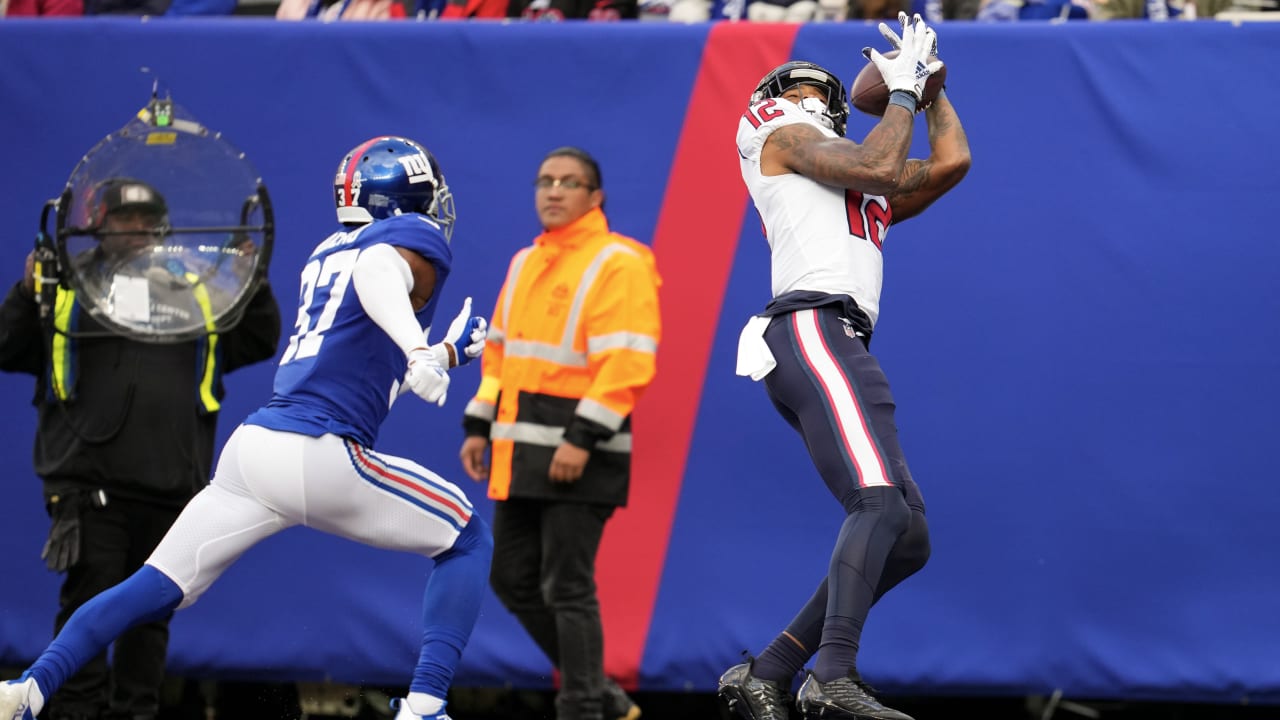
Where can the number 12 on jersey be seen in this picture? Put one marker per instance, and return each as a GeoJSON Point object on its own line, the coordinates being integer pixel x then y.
{"type": "Point", "coordinates": [868, 218]}
{"type": "Point", "coordinates": [762, 113]}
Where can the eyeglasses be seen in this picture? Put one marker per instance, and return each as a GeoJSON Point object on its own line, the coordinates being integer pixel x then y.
{"type": "Point", "coordinates": [546, 182]}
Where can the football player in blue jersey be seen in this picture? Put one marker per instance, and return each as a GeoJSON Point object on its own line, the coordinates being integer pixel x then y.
{"type": "Point", "coordinates": [305, 458]}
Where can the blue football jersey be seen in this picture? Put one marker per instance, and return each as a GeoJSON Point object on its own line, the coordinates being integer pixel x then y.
{"type": "Point", "coordinates": [341, 372]}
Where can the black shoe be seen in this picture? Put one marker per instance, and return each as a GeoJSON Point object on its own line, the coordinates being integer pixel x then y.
{"type": "Point", "coordinates": [846, 698]}
{"type": "Point", "coordinates": [617, 704]}
{"type": "Point", "coordinates": [753, 698]}
{"type": "Point", "coordinates": [577, 706]}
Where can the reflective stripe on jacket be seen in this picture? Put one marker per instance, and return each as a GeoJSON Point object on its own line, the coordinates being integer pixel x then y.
{"type": "Point", "coordinates": [571, 347]}
{"type": "Point", "coordinates": [63, 356]}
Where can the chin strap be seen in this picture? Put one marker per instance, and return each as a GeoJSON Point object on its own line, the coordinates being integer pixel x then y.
{"type": "Point", "coordinates": [818, 109]}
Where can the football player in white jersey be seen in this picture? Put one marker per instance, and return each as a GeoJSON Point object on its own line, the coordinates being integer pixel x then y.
{"type": "Point", "coordinates": [305, 457]}
{"type": "Point", "coordinates": [826, 203]}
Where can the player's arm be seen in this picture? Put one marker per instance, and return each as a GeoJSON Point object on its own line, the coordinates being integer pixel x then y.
{"type": "Point", "coordinates": [424, 277]}
{"type": "Point", "coordinates": [876, 166]}
{"type": "Point", "coordinates": [391, 282]}
{"type": "Point", "coordinates": [927, 180]}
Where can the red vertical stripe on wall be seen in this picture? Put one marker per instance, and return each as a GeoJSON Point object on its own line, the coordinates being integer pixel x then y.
{"type": "Point", "coordinates": [695, 242]}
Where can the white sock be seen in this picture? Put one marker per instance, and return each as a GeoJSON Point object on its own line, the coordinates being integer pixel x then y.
{"type": "Point", "coordinates": [423, 704]}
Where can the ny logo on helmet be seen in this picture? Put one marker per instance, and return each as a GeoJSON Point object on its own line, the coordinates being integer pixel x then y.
{"type": "Point", "coordinates": [417, 166]}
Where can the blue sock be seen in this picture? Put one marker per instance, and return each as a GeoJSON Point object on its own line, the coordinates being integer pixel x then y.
{"type": "Point", "coordinates": [878, 518]}
{"type": "Point", "coordinates": [451, 606]}
{"type": "Point", "coordinates": [145, 596]}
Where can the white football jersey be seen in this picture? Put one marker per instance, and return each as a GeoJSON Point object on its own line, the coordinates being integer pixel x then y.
{"type": "Point", "coordinates": [821, 238]}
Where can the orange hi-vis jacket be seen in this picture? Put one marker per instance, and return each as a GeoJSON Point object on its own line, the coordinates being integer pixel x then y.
{"type": "Point", "coordinates": [571, 347]}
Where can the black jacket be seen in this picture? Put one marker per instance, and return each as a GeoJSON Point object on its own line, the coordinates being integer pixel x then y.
{"type": "Point", "coordinates": [134, 427]}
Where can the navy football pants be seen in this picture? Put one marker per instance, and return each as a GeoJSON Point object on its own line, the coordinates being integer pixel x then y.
{"type": "Point", "coordinates": [833, 392]}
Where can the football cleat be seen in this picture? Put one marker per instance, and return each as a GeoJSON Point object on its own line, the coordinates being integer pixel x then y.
{"type": "Point", "coordinates": [753, 698]}
{"type": "Point", "coordinates": [846, 698]}
{"type": "Point", "coordinates": [404, 713]}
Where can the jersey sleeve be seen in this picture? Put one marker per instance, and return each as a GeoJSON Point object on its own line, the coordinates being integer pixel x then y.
{"type": "Point", "coordinates": [418, 233]}
{"type": "Point", "coordinates": [762, 119]}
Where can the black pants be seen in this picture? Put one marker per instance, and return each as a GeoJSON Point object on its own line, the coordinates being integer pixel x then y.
{"type": "Point", "coordinates": [544, 572]}
{"type": "Point", "coordinates": [115, 541]}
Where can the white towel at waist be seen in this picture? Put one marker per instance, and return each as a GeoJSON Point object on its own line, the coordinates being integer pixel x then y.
{"type": "Point", "coordinates": [754, 357]}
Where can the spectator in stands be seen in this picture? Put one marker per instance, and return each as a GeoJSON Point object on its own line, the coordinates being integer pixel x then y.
{"type": "Point", "coordinates": [573, 9]}
{"type": "Point", "coordinates": [469, 9]}
{"type": "Point", "coordinates": [797, 10]}
{"type": "Point", "coordinates": [1158, 9]}
{"type": "Point", "coordinates": [167, 8]}
{"type": "Point", "coordinates": [1011, 10]}
{"type": "Point", "coordinates": [876, 9]}
{"type": "Point", "coordinates": [154, 8]}
{"type": "Point", "coordinates": [41, 8]}
{"type": "Point", "coordinates": [364, 10]}
{"type": "Point", "coordinates": [693, 11]}
{"type": "Point", "coordinates": [328, 11]}
{"type": "Point", "coordinates": [936, 11]}
{"type": "Point", "coordinates": [199, 8]}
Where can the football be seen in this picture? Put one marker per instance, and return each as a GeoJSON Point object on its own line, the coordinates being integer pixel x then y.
{"type": "Point", "coordinates": [869, 94]}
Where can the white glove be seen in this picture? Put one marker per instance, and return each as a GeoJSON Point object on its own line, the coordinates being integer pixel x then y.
{"type": "Point", "coordinates": [425, 377]}
{"type": "Point", "coordinates": [896, 42]}
{"type": "Point", "coordinates": [468, 331]}
{"type": "Point", "coordinates": [909, 70]}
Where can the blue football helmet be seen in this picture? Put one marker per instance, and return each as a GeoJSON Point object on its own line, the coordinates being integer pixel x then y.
{"type": "Point", "coordinates": [799, 72]}
{"type": "Point", "coordinates": [389, 176]}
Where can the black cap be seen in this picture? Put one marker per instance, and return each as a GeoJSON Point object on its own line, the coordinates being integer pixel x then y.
{"type": "Point", "coordinates": [120, 193]}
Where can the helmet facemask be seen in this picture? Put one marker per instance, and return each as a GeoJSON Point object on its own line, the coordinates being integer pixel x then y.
{"type": "Point", "coordinates": [441, 208]}
{"type": "Point", "coordinates": [834, 114]}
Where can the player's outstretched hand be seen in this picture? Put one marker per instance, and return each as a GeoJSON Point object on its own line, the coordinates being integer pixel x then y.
{"type": "Point", "coordinates": [465, 337]}
{"type": "Point", "coordinates": [425, 376]}
{"type": "Point", "coordinates": [911, 67]}
{"type": "Point", "coordinates": [896, 42]}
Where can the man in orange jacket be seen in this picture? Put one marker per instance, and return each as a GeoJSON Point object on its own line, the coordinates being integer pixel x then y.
{"type": "Point", "coordinates": [571, 348]}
